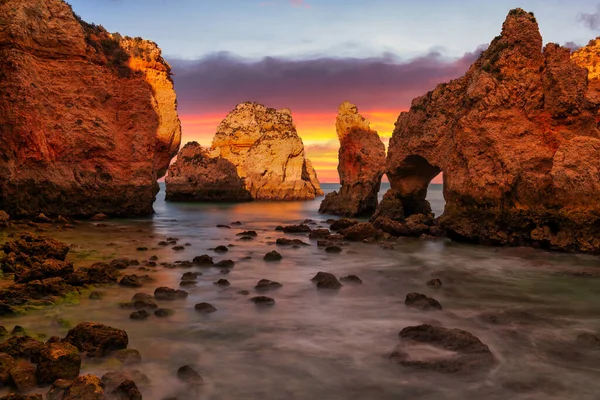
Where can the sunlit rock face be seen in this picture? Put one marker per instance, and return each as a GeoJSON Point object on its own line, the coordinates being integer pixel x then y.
{"type": "Point", "coordinates": [517, 141]}
{"type": "Point", "coordinates": [88, 120]}
{"type": "Point", "coordinates": [361, 166]}
{"type": "Point", "coordinates": [267, 153]}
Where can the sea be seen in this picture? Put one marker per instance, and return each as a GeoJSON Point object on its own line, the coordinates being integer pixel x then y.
{"type": "Point", "coordinates": [528, 306]}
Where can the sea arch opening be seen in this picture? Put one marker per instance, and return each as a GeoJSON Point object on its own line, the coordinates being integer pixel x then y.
{"type": "Point", "coordinates": [411, 181]}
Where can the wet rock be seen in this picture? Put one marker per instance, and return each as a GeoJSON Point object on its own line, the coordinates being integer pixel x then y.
{"type": "Point", "coordinates": [42, 270]}
{"type": "Point", "coordinates": [435, 283]}
{"type": "Point", "coordinates": [120, 263]}
{"type": "Point", "coordinates": [248, 233]}
{"type": "Point", "coordinates": [221, 249]}
{"type": "Point", "coordinates": [6, 310]}
{"type": "Point", "coordinates": [30, 248]}
{"type": "Point", "coordinates": [139, 315]}
{"type": "Point", "coordinates": [179, 248]}
{"type": "Point", "coordinates": [187, 283]}
{"type": "Point", "coordinates": [290, 242]}
{"type": "Point", "coordinates": [97, 340]}
{"type": "Point", "coordinates": [3, 332]}
{"type": "Point", "coordinates": [190, 276]}
{"type": "Point", "coordinates": [96, 295]}
{"type": "Point", "coordinates": [461, 351]}
{"type": "Point", "coordinates": [263, 301]}
{"type": "Point", "coordinates": [246, 238]}
{"type": "Point", "coordinates": [128, 356]}
{"type": "Point", "coordinates": [272, 256]}
{"type": "Point", "coordinates": [85, 387]}
{"type": "Point", "coordinates": [243, 292]}
{"type": "Point", "coordinates": [58, 389]}
{"type": "Point", "coordinates": [224, 226]}
{"type": "Point", "coordinates": [342, 223]}
{"type": "Point", "coordinates": [325, 243]}
{"type": "Point", "coordinates": [222, 282]}
{"type": "Point", "coordinates": [236, 223]}
{"type": "Point", "coordinates": [111, 380]}
{"type": "Point", "coordinates": [351, 279]}
{"type": "Point", "coordinates": [265, 285]}
{"type": "Point", "coordinates": [163, 312]}
{"type": "Point", "coordinates": [279, 228]}
{"type": "Point", "coordinates": [142, 248]}
{"type": "Point", "coordinates": [297, 229]}
{"type": "Point", "coordinates": [23, 376]}
{"type": "Point", "coordinates": [42, 218]}
{"type": "Point", "coordinates": [145, 305]}
{"type": "Point", "coordinates": [142, 297]}
{"type": "Point", "coordinates": [359, 232]}
{"type": "Point", "coordinates": [189, 376]}
{"type": "Point", "coordinates": [333, 249]}
{"type": "Point", "coordinates": [127, 390]}
{"type": "Point", "coordinates": [58, 361]}
{"type": "Point", "coordinates": [319, 234]}
{"type": "Point", "coordinates": [588, 340]}
{"type": "Point", "coordinates": [6, 364]}
{"type": "Point", "coordinates": [422, 302]}
{"type": "Point", "coordinates": [166, 293]}
{"type": "Point", "coordinates": [205, 308]}
{"type": "Point", "coordinates": [325, 280]}
{"type": "Point", "coordinates": [132, 281]}
{"type": "Point", "coordinates": [4, 219]}
{"type": "Point", "coordinates": [225, 264]}
{"type": "Point", "coordinates": [98, 273]}
{"type": "Point", "coordinates": [23, 347]}
{"type": "Point", "coordinates": [514, 317]}
{"type": "Point", "coordinates": [18, 330]}
{"type": "Point", "coordinates": [99, 217]}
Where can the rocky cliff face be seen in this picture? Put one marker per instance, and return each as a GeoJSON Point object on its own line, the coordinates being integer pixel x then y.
{"type": "Point", "coordinates": [88, 120]}
{"type": "Point", "coordinates": [196, 176]}
{"type": "Point", "coordinates": [361, 166]}
{"type": "Point", "coordinates": [266, 151]}
{"type": "Point", "coordinates": [517, 141]}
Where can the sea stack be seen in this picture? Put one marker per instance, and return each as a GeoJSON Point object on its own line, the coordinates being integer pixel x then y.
{"type": "Point", "coordinates": [361, 165]}
{"type": "Point", "coordinates": [267, 155]}
{"type": "Point", "coordinates": [88, 119]}
{"type": "Point", "coordinates": [517, 141]}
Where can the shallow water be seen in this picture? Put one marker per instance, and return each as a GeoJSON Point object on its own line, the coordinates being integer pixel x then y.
{"type": "Point", "coordinates": [316, 345]}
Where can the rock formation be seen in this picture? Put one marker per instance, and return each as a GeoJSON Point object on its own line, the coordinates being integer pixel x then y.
{"type": "Point", "coordinates": [517, 141]}
{"type": "Point", "coordinates": [88, 119]}
{"type": "Point", "coordinates": [361, 165]}
{"type": "Point", "coordinates": [266, 153]}
{"type": "Point", "coordinates": [196, 176]}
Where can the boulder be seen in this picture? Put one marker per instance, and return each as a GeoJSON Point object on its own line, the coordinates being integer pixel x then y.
{"type": "Point", "coordinates": [264, 285]}
{"type": "Point", "coordinates": [359, 232]}
{"type": "Point", "coordinates": [22, 375]}
{"type": "Point", "coordinates": [127, 390]}
{"type": "Point", "coordinates": [85, 387]}
{"type": "Point", "coordinates": [325, 280]}
{"type": "Point", "coordinates": [58, 389]}
{"type": "Point", "coordinates": [116, 104]}
{"type": "Point", "coordinates": [189, 376]}
{"type": "Point", "coordinates": [24, 347]}
{"type": "Point", "coordinates": [49, 268]}
{"type": "Point", "coordinates": [263, 301]}
{"type": "Point", "coordinates": [272, 256]}
{"type": "Point", "coordinates": [342, 223]}
{"type": "Point", "coordinates": [361, 166]}
{"type": "Point", "coordinates": [205, 308]}
{"type": "Point", "coordinates": [112, 380]}
{"type": "Point", "coordinates": [97, 340]}
{"type": "Point", "coordinates": [462, 352]}
{"type": "Point", "coordinates": [6, 364]}
{"type": "Point", "coordinates": [422, 302]}
{"type": "Point", "coordinates": [4, 219]}
{"type": "Point", "coordinates": [166, 293]}
{"type": "Point", "coordinates": [58, 361]}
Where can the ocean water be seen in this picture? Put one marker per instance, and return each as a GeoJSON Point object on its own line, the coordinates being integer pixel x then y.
{"type": "Point", "coordinates": [527, 305]}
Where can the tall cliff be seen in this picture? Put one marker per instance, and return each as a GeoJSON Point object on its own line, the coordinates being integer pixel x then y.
{"type": "Point", "coordinates": [517, 141]}
{"type": "Point", "coordinates": [266, 151]}
{"type": "Point", "coordinates": [361, 165]}
{"type": "Point", "coordinates": [88, 120]}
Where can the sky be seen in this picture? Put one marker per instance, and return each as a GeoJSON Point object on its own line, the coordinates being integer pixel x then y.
{"type": "Point", "coordinates": [311, 55]}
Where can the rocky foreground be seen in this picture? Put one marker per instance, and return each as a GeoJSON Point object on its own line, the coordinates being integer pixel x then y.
{"type": "Point", "coordinates": [88, 119]}
{"type": "Point", "coordinates": [517, 141]}
{"type": "Point", "coordinates": [256, 154]}
{"type": "Point", "coordinates": [361, 166]}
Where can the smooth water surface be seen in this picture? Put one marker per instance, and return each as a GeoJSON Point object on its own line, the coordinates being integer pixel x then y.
{"type": "Point", "coordinates": [527, 305]}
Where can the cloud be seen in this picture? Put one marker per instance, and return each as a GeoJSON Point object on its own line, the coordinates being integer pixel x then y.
{"type": "Point", "coordinates": [299, 3]}
{"type": "Point", "coordinates": [215, 84]}
{"type": "Point", "coordinates": [591, 20]}
{"type": "Point", "coordinates": [572, 46]}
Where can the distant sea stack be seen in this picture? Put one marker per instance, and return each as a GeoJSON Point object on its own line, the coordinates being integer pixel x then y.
{"type": "Point", "coordinates": [517, 140]}
{"type": "Point", "coordinates": [88, 119]}
{"type": "Point", "coordinates": [361, 166]}
{"type": "Point", "coordinates": [266, 153]}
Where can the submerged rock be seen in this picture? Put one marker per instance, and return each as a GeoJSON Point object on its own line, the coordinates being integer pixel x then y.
{"type": "Point", "coordinates": [359, 232]}
{"type": "Point", "coordinates": [189, 376]}
{"type": "Point", "coordinates": [272, 256]}
{"type": "Point", "coordinates": [263, 301]}
{"type": "Point", "coordinates": [205, 308]}
{"type": "Point", "coordinates": [325, 280]}
{"type": "Point", "coordinates": [256, 154]}
{"type": "Point", "coordinates": [422, 302]}
{"type": "Point", "coordinates": [361, 166]}
{"type": "Point", "coordinates": [264, 285]}
{"type": "Point", "coordinates": [460, 351]}
{"type": "Point", "coordinates": [166, 293]}
{"type": "Point", "coordinates": [115, 102]}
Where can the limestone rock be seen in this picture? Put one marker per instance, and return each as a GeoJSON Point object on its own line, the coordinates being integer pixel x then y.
{"type": "Point", "coordinates": [256, 154]}
{"type": "Point", "coordinates": [58, 361]}
{"type": "Point", "coordinates": [89, 120]}
{"type": "Point", "coordinates": [97, 340]}
{"type": "Point", "coordinates": [196, 176]}
{"type": "Point", "coordinates": [361, 165]}
{"type": "Point", "coordinates": [517, 141]}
